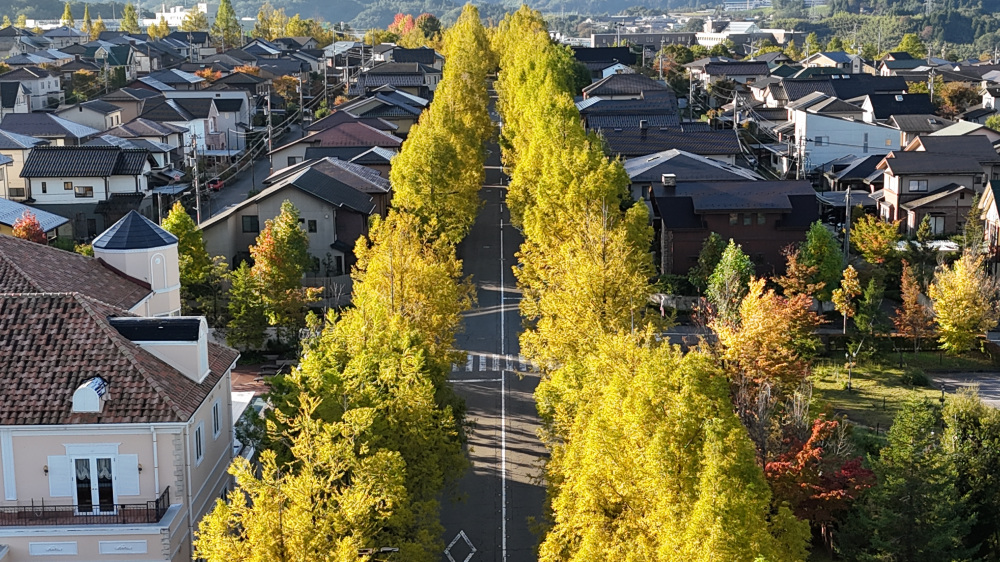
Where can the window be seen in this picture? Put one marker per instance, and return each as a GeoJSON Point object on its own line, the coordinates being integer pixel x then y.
{"type": "Point", "coordinates": [199, 444]}
{"type": "Point", "coordinates": [84, 191]}
{"type": "Point", "coordinates": [747, 219]}
{"type": "Point", "coordinates": [312, 226]}
{"type": "Point", "coordinates": [292, 160]}
{"type": "Point", "coordinates": [888, 142]}
{"type": "Point", "coordinates": [865, 148]}
{"type": "Point", "coordinates": [918, 185]}
{"type": "Point", "coordinates": [67, 185]}
{"type": "Point", "coordinates": [733, 219]}
{"type": "Point", "coordinates": [820, 141]}
{"type": "Point", "coordinates": [45, 187]}
{"type": "Point", "coordinates": [216, 420]}
{"type": "Point", "coordinates": [251, 223]}
{"type": "Point", "coordinates": [761, 219]}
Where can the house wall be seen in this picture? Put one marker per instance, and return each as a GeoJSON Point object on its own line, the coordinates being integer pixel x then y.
{"type": "Point", "coordinates": [762, 242]}
{"type": "Point", "coordinates": [280, 156]}
{"type": "Point", "coordinates": [226, 237]}
{"type": "Point", "coordinates": [953, 210]}
{"type": "Point", "coordinates": [57, 194]}
{"type": "Point", "coordinates": [12, 172]}
{"type": "Point", "coordinates": [84, 116]}
{"type": "Point", "coordinates": [897, 190]}
{"type": "Point", "coordinates": [840, 138]}
{"type": "Point", "coordinates": [130, 109]}
{"type": "Point", "coordinates": [157, 266]}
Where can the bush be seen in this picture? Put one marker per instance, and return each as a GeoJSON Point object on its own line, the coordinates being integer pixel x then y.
{"type": "Point", "coordinates": [63, 243]}
{"type": "Point", "coordinates": [914, 377]}
{"type": "Point", "coordinates": [671, 284]}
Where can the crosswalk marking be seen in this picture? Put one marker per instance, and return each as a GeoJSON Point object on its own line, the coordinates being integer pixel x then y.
{"type": "Point", "coordinates": [492, 362]}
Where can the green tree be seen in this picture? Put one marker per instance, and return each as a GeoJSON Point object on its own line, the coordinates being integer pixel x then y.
{"type": "Point", "coordinates": [728, 283]}
{"type": "Point", "coordinates": [6, 22]}
{"type": "Point", "coordinates": [870, 320]}
{"type": "Point", "coordinates": [194, 20]}
{"type": "Point", "coordinates": [973, 232]}
{"type": "Point", "coordinates": [912, 44]}
{"type": "Point", "coordinates": [875, 239]}
{"type": "Point", "coordinates": [965, 303]}
{"type": "Point", "coordinates": [813, 45]}
{"type": "Point", "coordinates": [22, 21]}
{"type": "Point", "coordinates": [822, 251]}
{"type": "Point", "coordinates": [708, 259]}
{"type": "Point", "coordinates": [280, 259]}
{"type": "Point", "coordinates": [270, 22]}
{"type": "Point", "coordinates": [87, 24]}
{"type": "Point", "coordinates": [130, 19]}
{"type": "Point", "coordinates": [158, 30]}
{"type": "Point", "coordinates": [835, 44]}
{"type": "Point", "coordinates": [993, 122]}
{"type": "Point", "coordinates": [331, 500]}
{"type": "Point", "coordinates": [248, 315]}
{"type": "Point", "coordinates": [67, 17]}
{"type": "Point", "coordinates": [972, 440]}
{"type": "Point", "coordinates": [226, 29]}
{"type": "Point", "coordinates": [915, 512]}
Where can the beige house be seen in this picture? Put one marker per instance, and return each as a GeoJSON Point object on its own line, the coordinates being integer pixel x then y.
{"type": "Point", "coordinates": [17, 148]}
{"type": "Point", "coordinates": [116, 430]}
{"type": "Point", "coordinates": [918, 184]}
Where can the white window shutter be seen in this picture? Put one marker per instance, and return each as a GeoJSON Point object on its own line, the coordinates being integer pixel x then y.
{"type": "Point", "coordinates": [127, 475]}
{"type": "Point", "coordinates": [60, 476]}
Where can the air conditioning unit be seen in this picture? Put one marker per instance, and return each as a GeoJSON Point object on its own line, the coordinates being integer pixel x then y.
{"type": "Point", "coordinates": [669, 180]}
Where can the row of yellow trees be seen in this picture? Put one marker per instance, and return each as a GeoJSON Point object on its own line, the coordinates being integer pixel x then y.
{"type": "Point", "coordinates": [366, 434]}
{"type": "Point", "coordinates": [648, 459]}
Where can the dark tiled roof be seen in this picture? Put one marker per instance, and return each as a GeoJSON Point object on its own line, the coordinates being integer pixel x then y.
{"type": "Point", "coordinates": [240, 78]}
{"type": "Point", "coordinates": [24, 73]}
{"type": "Point", "coordinates": [131, 94]}
{"type": "Point", "coordinates": [83, 161]}
{"type": "Point", "coordinates": [169, 110]}
{"type": "Point", "coordinates": [44, 125]}
{"type": "Point", "coordinates": [134, 232]}
{"type": "Point", "coordinates": [101, 106]}
{"type": "Point", "coordinates": [422, 55]}
{"type": "Point", "coordinates": [141, 127]}
{"type": "Point", "coordinates": [622, 84]}
{"type": "Point", "coordinates": [885, 106]}
{"type": "Point", "coordinates": [333, 191]}
{"type": "Point", "coordinates": [341, 152]}
{"type": "Point", "coordinates": [190, 36]}
{"type": "Point", "coordinates": [923, 163]}
{"type": "Point", "coordinates": [623, 55]}
{"type": "Point", "coordinates": [199, 108]}
{"type": "Point", "coordinates": [631, 121]}
{"type": "Point", "coordinates": [740, 68]}
{"type": "Point", "coordinates": [14, 141]}
{"type": "Point", "coordinates": [50, 344]}
{"type": "Point", "coordinates": [685, 167]}
{"type": "Point", "coordinates": [338, 117]}
{"type": "Point", "coordinates": [919, 123]}
{"type": "Point", "coordinates": [351, 134]}
{"type": "Point", "coordinates": [715, 197]}
{"type": "Point", "coordinates": [27, 267]}
{"type": "Point", "coordinates": [8, 94]}
{"type": "Point", "coordinates": [976, 146]}
{"type": "Point", "coordinates": [792, 90]}
{"type": "Point", "coordinates": [631, 143]}
{"type": "Point", "coordinates": [228, 105]}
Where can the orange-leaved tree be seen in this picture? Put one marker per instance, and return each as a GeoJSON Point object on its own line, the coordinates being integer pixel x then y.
{"type": "Point", "coordinates": [28, 228]}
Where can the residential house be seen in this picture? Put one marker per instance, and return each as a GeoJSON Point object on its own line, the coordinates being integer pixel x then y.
{"type": "Point", "coordinates": [657, 108]}
{"type": "Point", "coordinates": [334, 215]}
{"type": "Point", "coordinates": [175, 79]}
{"type": "Point", "coordinates": [935, 185]}
{"type": "Point", "coordinates": [96, 114]}
{"type": "Point", "coordinates": [114, 58]}
{"type": "Point", "coordinates": [55, 129]}
{"type": "Point", "coordinates": [843, 86]}
{"type": "Point", "coordinates": [710, 70]}
{"type": "Point", "coordinates": [722, 145]}
{"type": "Point", "coordinates": [850, 64]}
{"type": "Point", "coordinates": [880, 107]}
{"type": "Point", "coordinates": [397, 107]}
{"type": "Point", "coordinates": [990, 215]}
{"type": "Point", "coordinates": [913, 126]}
{"type": "Point", "coordinates": [163, 133]}
{"type": "Point", "coordinates": [422, 55]}
{"type": "Point", "coordinates": [64, 36]}
{"type": "Point", "coordinates": [349, 172]}
{"type": "Point", "coordinates": [762, 216]}
{"type": "Point", "coordinates": [227, 119]}
{"type": "Point", "coordinates": [93, 185]}
{"type": "Point", "coordinates": [200, 41]}
{"type": "Point", "coordinates": [852, 173]}
{"type": "Point", "coordinates": [975, 146]}
{"type": "Point", "coordinates": [125, 441]}
{"type": "Point", "coordinates": [14, 151]}
{"type": "Point", "coordinates": [53, 57]}
{"type": "Point", "coordinates": [14, 98]}
{"type": "Point", "coordinates": [52, 225]}
{"type": "Point", "coordinates": [647, 173]}
{"type": "Point", "coordinates": [133, 101]}
{"type": "Point", "coordinates": [162, 156]}
{"type": "Point", "coordinates": [253, 85]}
{"type": "Point", "coordinates": [598, 59]}
{"type": "Point", "coordinates": [134, 268]}
{"type": "Point", "coordinates": [295, 43]}
{"type": "Point", "coordinates": [15, 40]}
{"type": "Point", "coordinates": [413, 78]}
{"type": "Point", "coordinates": [44, 89]}
{"type": "Point", "coordinates": [340, 115]}
{"type": "Point", "coordinates": [965, 128]}
{"type": "Point", "coordinates": [623, 87]}
{"type": "Point", "coordinates": [349, 134]}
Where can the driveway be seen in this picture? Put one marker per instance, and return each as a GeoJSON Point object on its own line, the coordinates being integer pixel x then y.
{"type": "Point", "coordinates": [989, 384]}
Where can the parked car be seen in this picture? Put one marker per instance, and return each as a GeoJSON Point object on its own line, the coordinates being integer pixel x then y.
{"type": "Point", "coordinates": [215, 184]}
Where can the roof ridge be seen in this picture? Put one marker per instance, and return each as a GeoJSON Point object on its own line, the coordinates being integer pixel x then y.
{"type": "Point", "coordinates": [129, 353]}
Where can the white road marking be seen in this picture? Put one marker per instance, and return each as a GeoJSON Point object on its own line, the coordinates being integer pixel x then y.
{"type": "Point", "coordinates": [473, 380]}
{"type": "Point", "coordinates": [482, 363]}
{"type": "Point", "coordinates": [468, 363]}
{"type": "Point", "coordinates": [509, 362]}
{"type": "Point", "coordinates": [524, 364]}
{"type": "Point", "coordinates": [461, 535]}
{"type": "Point", "coordinates": [503, 407]}
{"type": "Point", "coordinates": [496, 362]}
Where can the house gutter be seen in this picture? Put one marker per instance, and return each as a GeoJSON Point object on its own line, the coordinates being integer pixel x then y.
{"type": "Point", "coordinates": [187, 493]}
{"type": "Point", "coordinates": [156, 463]}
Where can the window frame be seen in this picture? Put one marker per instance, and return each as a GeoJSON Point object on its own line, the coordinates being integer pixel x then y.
{"type": "Point", "coordinates": [198, 442]}
{"type": "Point", "coordinates": [67, 186]}
{"type": "Point", "coordinates": [312, 226]}
{"type": "Point", "coordinates": [83, 191]}
{"type": "Point", "coordinates": [216, 419]}
{"type": "Point", "coordinates": [919, 183]}
{"type": "Point", "coordinates": [254, 226]}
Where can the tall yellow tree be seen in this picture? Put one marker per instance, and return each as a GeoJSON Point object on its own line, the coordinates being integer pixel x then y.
{"type": "Point", "coordinates": [843, 296]}
{"type": "Point", "coordinates": [965, 303]}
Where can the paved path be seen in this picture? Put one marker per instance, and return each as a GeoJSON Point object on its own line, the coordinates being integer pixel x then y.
{"type": "Point", "coordinates": [989, 384]}
{"type": "Point", "coordinates": [502, 492]}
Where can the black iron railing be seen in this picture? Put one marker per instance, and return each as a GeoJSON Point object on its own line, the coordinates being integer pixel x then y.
{"type": "Point", "coordinates": [117, 514]}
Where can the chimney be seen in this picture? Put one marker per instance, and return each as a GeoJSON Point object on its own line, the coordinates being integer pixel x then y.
{"type": "Point", "coordinates": [669, 182]}
{"type": "Point", "coordinates": [643, 127]}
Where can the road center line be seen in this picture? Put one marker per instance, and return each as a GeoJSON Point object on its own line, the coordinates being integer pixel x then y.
{"type": "Point", "coordinates": [503, 403]}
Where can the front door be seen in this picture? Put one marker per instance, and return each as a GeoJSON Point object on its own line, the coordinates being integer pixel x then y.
{"type": "Point", "coordinates": [94, 485]}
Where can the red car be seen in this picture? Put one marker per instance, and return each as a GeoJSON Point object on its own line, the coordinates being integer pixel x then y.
{"type": "Point", "coordinates": [215, 184]}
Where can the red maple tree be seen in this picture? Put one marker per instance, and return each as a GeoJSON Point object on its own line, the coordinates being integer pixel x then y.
{"type": "Point", "coordinates": [27, 227]}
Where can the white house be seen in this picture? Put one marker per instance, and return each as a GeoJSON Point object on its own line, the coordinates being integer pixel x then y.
{"type": "Point", "coordinates": [44, 89]}
{"type": "Point", "coordinates": [819, 137]}
{"type": "Point", "coordinates": [97, 114]}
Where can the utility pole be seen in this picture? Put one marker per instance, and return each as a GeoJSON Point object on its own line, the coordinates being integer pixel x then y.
{"type": "Point", "coordinates": [194, 178]}
{"type": "Point", "coordinates": [930, 83]}
{"type": "Point", "coordinates": [302, 109]}
{"type": "Point", "coordinates": [270, 132]}
{"type": "Point", "coordinates": [690, 96]}
{"type": "Point", "coordinates": [847, 226]}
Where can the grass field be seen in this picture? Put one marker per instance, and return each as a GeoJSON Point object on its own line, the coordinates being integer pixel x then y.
{"type": "Point", "coordinates": [879, 388]}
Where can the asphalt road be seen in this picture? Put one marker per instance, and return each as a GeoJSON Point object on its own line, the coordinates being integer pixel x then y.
{"type": "Point", "coordinates": [502, 493]}
{"type": "Point", "coordinates": [236, 190]}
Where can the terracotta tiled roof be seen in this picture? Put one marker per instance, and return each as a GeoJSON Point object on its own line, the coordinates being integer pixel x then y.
{"type": "Point", "coordinates": [50, 343]}
{"type": "Point", "coordinates": [27, 267]}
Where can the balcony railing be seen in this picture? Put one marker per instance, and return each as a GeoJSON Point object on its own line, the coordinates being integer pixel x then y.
{"type": "Point", "coordinates": [118, 514]}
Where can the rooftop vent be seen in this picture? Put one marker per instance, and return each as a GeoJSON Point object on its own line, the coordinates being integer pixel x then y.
{"type": "Point", "coordinates": [89, 397]}
{"type": "Point", "coordinates": [669, 180]}
{"type": "Point", "coordinates": [899, 97]}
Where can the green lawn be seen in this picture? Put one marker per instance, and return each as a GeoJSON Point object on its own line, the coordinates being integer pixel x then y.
{"type": "Point", "coordinates": [878, 389]}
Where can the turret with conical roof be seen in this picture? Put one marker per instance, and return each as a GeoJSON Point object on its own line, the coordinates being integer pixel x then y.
{"type": "Point", "coordinates": [140, 249]}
